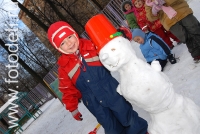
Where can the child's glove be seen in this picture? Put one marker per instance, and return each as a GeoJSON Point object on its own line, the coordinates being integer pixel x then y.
{"type": "Point", "coordinates": [145, 29]}
{"type": "Point", "coordinates": [169, 11]}
{"type": "Point", "coordinates": [77, 115]}
{"type": "Point", "coordinates": [171, 59]}
{"type": "Point", "coordinates": [156, 9]}
{"type": "Point", "coordinates": [156, 5]}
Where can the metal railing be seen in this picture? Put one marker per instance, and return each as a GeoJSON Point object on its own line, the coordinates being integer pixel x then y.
{"type": "Point", "coordinates": [114, 13]}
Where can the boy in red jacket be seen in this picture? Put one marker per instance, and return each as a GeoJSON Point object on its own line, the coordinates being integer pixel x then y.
{"type": "Point", "coordinates": [81, 74]}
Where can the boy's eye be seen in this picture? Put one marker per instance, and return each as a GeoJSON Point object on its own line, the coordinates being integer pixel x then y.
{"type": "Point", "coordinates": [69, 36]}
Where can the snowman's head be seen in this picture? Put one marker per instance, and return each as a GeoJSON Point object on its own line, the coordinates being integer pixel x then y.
{"type": "Point", "coordinates": [116, 53]}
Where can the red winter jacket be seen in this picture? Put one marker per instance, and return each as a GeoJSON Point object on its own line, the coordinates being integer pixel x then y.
{"type": "Point", "coordinates": [69, 70]}
{"type": "Point", "coordinates": [143, 22]}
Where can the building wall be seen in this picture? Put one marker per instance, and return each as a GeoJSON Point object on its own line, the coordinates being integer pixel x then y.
{"type": "Point", "coordinates": [73, 10]}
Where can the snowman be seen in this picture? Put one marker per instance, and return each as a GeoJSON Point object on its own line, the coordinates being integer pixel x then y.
{"type": "Point", "coordinates": [142, 84]}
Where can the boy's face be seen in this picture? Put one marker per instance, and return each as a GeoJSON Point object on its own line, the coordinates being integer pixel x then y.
{"type": "Point", "coordinates": [138, 3]}
{"type": "Point", "coordinates": [70, 44]}
{"type": "Point", "coordinates": [127, 7]}
{"type": "Point", "coordinates": [138, 39]}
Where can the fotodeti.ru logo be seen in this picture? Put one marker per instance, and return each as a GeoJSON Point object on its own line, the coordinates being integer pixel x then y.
{"type": "Point", "coordinates": [12, 29]}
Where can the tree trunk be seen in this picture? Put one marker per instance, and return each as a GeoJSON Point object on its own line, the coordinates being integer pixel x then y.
{"type": "Point", "coordinates": [35, 59]}
{"type": "Point", "coordinates": [72, 16]}
{"type": "Point", "coordinates": [56, 10]}
{"type": "Point", "coordinates": [32, 16]}
{"type": "Point", "coordinates": [27, 68]}
{"type": "Point", "coordinates": [97, 4]}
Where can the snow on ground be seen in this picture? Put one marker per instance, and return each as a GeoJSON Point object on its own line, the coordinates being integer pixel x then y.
{"type": "Point", "coordinates": [184, 75]}
{"type": "Point", "coordinates": [56, 119]}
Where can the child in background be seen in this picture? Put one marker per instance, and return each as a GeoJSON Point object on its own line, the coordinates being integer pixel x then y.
{"type": "Point", "coordinates": [153, 47]}
{"type": "Point", "coordinates": [183, 25]}
{"type": "Point", "coordinates": [81, 74]}
{"type": "Point", "coordinates": [154, 26]}
{"type": "Point", "coordinates": [127, 8]}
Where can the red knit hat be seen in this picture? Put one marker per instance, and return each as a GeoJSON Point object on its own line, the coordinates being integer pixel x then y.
{"type": "Point", "coordinates": [100, 29]}
{"type": "Point", "coordinates": [58, 31]}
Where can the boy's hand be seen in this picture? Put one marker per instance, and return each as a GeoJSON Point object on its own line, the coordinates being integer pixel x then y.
{"type": "Point", "coordinates": [146, 30]}
{"type": "Point", "coordinates": [77, 115]}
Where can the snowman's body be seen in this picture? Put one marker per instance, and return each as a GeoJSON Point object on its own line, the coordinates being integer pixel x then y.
{"type": "Point", "coordinates": [148, 88]}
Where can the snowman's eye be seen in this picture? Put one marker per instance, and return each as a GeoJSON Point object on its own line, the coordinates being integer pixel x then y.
{"type": "Point", "coordinates": [113, 49]}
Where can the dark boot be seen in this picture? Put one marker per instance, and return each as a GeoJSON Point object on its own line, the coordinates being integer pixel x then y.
{"type": "Point", "coordinates": [171, 59]}
{"type": "Point", "coordinates": [197, 59]}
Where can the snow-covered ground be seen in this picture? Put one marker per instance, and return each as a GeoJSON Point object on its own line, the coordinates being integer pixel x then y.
{"type": "Point", "coordinates": [185, 76]}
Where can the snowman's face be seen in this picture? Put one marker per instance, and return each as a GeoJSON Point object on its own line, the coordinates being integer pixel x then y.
{"type": "Point", "coordinates": [115, 53]}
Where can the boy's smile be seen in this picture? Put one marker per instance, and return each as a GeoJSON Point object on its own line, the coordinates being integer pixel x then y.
{"type": "Point", "coordinates": [138, 3]}
{"type": "Point", "coordinates": [70, 44]}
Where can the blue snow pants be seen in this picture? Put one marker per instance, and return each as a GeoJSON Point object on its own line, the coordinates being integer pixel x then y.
{"type": "Point", "coordinates": [111, 110]}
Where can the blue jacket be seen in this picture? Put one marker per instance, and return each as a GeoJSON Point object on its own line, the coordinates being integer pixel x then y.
{"type": "Point", "coordinates": [151, 50]}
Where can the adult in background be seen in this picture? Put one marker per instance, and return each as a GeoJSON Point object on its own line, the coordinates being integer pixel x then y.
{"type": "Point", "coordinates": [183, 24]}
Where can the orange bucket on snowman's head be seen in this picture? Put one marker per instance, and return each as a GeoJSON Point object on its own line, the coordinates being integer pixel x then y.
{"type": "Point", "coordinates": [100, 29]}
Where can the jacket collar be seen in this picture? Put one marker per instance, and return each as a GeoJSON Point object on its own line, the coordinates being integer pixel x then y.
{"type": "Point", "coordinates": [84, 45]}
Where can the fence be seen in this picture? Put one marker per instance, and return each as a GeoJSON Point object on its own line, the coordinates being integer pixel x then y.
{"type": "Point", "coordinates": [51, 79]}
{"type": "Point", "coordinates": [28, 103]}
{"type": "Point", "coordinates": [114, 13]}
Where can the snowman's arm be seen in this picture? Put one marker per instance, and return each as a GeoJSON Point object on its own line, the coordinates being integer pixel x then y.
{"type": "Point", "coordinates": [156, 66]}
